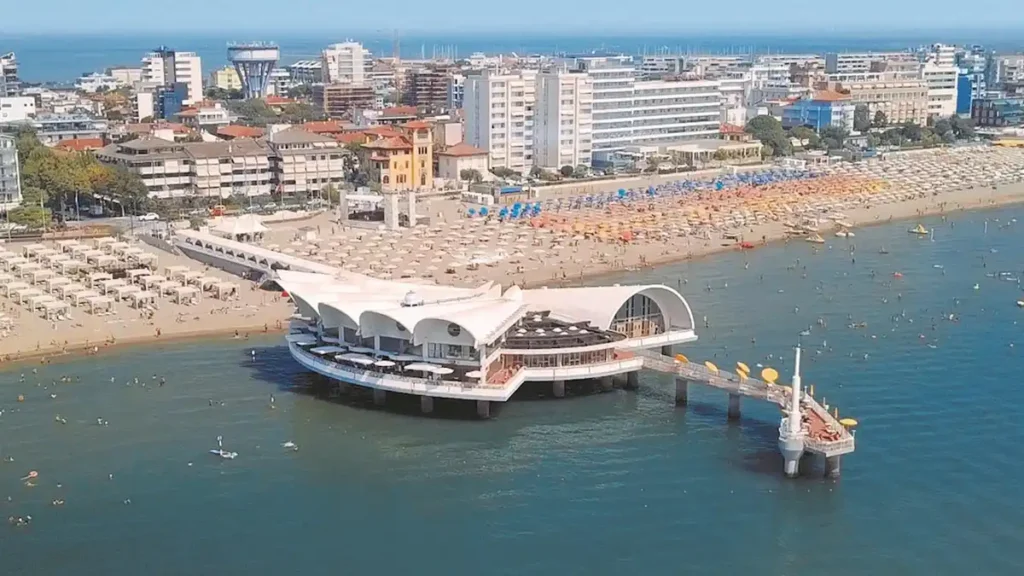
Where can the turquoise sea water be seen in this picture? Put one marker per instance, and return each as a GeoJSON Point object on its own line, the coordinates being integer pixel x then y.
{"type": "Point", "coordinates": [611, 483]}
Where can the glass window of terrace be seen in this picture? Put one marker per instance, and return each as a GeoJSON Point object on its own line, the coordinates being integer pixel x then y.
{"type": "Point", "coordinates": [639, 316]}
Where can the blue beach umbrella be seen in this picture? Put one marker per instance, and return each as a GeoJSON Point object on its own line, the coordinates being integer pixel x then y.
{"type": "Point", "coordinates": [484, 211]}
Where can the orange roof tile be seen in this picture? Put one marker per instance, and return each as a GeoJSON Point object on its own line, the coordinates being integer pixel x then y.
{"type": "Point", "coordinates": [148, 128]}
{"type": "Point", "coordinates": [236, 131]}
{"type": "Point", "coordinates": [271, 100]}
{"type": "Point", "coordinates": [351, 137]}
{"type": "Point", "coordinates": [416, 125]}
{"type": "Point", "coordinates": [382, 132]}
{"type": "Point", "coordinates": [399, 111]}
{"type": "Point", "coordinates": [323, 127]}
{"type": "Point", "coordinates": [394, 143]}
{"type": "Point", "coordinates": [462, 150]}
{"type": "Point", "coordinates": [80, 144]}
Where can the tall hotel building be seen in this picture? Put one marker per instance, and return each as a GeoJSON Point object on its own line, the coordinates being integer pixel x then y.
{"type": "Point", "coordinates": [499, 111]}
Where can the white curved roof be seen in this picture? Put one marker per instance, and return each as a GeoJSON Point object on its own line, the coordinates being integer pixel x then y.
{"type": "Point", "coordinates": [598, 304]}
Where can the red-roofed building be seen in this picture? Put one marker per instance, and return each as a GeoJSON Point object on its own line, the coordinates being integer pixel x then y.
{"type": "Point", "coordinates": [403, 159]}
{"type": "Point", "coordinates": [352, 138]}
{"type": "Point", "coordinates": [452, 161]}
{"type": "Point", "coordinates": [80, 144]}
{"type": "Point", "coordinates": [233, 131]}
{"type": "Point", "coordinates": [733, 132]}
{"type": "Point", "coordinates": [278, 102]}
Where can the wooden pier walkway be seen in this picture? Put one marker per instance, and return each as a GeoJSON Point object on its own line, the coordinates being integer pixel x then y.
{"type": "Point", "coordinates": [825, 435]}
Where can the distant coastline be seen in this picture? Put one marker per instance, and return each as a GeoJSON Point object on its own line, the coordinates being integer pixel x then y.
{"type": "Point", "coordinates": [43, 57]}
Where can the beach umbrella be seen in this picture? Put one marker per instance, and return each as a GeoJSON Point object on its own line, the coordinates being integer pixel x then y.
{"type": "Point", "coordinates": [484, 211]}
{"type": "Point", "coordinates": [848, 422]}
{"type": "Point", "coordinates": [769, 375]}
{"type": "Point", "coordinates": [471, 211]}
{"type": "Point", "coordinates": [743, 367]}
{"type": "Point", "coordinates": [711, 367]}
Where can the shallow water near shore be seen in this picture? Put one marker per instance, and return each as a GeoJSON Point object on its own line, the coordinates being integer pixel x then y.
{"type": "Point", "coordinates": [600, 484]}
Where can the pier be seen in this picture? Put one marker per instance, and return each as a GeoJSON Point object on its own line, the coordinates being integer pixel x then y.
{"type": "Point", "coordinates": [807, 427]}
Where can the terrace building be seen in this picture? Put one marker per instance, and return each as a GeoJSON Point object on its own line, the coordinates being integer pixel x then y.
{"type": "Point", "coordinates": [10, 179]}
{"type": "Point", "coordinates": [52, 128]}
{"type": "Point", "coordinates": [304, 163]}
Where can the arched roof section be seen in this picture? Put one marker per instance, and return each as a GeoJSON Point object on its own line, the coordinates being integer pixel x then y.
{"type": "Point", "coordinates": [599, 304]}
{"type": "Point", "coordinates": [479, 322]}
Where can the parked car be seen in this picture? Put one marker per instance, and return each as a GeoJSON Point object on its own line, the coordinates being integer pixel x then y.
{"type": "Point", "coordinates": [150, 217]}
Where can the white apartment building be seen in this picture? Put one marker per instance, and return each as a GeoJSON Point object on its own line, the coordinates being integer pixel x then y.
{"type": "Point", "coordinates": [857, 62]}
{"type": "Point", "coordinates": [942, 88]}
{"type": "Point", "coordinates": [735, 89]}
{"type": "Point", "coordinates": [10, 179]}
{"type": "Point", "coordinates": [499, 111]}
{"type": "Point", "coordinates": [95, 82]}
{"type": "Point", "coordinates": [125, 76]}
{"type": "Point", "coordinates": [144, 105]}
{"type": "Point", "coordinates": [563, 120]}
{"type": "Point", "coordinates": [628, 112]}
{"type": "Point", "coordinates": [164, 67]}
{"type": "Point", "coordinates": [345, 63]}
{"type": "Point", "coordinates": [303, 163]}
{"type": "Point", "coordinates": [17, 108]}
{"type": "Point", "coordinates": [279, 83]}
{"type": "Point", "coordinates": [656, 66]}
{"type": "Point", "coordinates": [943, 54]}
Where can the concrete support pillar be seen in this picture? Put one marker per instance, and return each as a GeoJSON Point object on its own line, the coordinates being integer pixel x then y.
{"type": "Point", "coordinates": [558, 388]}
{"type": "Point", "coordinates": [483, 408]}
{"type": "Point", "coordinates": [666, 350]}
{"type": "Point", "coordinates": [632, 380]}
{"type": "Point", "coordinates": [606, 383]}
{"type": "Point", "coordinates": [734, 406]}
{"type": "Point", "coordinates": [380, 396]}
{"type": "Point", "coordinates": [682, 391]}
{"type": "Point", "coordinates": [426, 404]}
{"type": "Point", "coordinates": [832, 466]}
{"type": "Point", "coordinates": [792, 465]}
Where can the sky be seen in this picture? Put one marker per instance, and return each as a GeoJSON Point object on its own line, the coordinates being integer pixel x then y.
{"type": "Point", "coordinates": [465, 17]}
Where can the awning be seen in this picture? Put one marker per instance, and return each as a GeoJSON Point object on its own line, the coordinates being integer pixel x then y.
{"type": "Point", "coordinates": [384, 363]}
{"type": "Point", "coordinates": [300, 338]}
{"type": "Point", "coordinates": [422, 367]}
{"type": "Point", "coordinates": [361, 350]}
{"type": "Point", "coordinates": [355, 359]}
{"type": "Point", "coordinates": [326, 350]}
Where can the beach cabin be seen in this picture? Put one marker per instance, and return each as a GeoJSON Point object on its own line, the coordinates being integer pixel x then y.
{"type": "Point", "coordinates": [225, 290]}
{"type": "Point", "coordinates": [42, 255]}
{"type": "Point", "coordinates": [69, 289]}
{"type": "Point", "coordinates": [152, 281]}
{"type": "Point", "coordinates": [108, 285]}
{"type": "Point", "coordinates": [175, 272]}
{"type": "Point", "coordinates": [116, 247]}
{"type": "Point", "coordinates": [78, 250]}
{"type": "Point", "coordinates": [99, 305]}
{"type": "Point", "coordinates": [120, 292]}
{"type": "Point", "coordinates": [103, 261]}
{"type": "Point", "coordinates": [186, 295]}
{"type": "Point", "coordinates": [136, 275]}
{"type": "Point", "coordinates": [10, 288]}
{"type": "Point", "coordinates": [190, 277]}
{"type": "Point", "coordinates": [23, 295]}
{"type": "Point", "coordinates": [66, 245]}
{"type": "Point", "coordinates": [208, 282]}
{"type": "Point", "coordinates": [99, 243]}
{"type": "Point", "coordinates": [36, 302]}
{"type": "Point", "coordinates": [95, 277]}
{"type": "Point", "coordinates": [140, 299]}
{"type": "Point", "coordinates": [78, 297]}
{"type": "Point", "coordinates": [41, 275]}
{"type": "Point", "coordinates": [10, 261]}
{"type": "Point", "coordinates": [6, 278]}
{"type": "Point", "coordinates": [142, 259]}
{"type": "Point", "coordinates": [168, 286]}
{"type": "Point", "coordinates": [53, 283]}
{"type": "Point", "coordinates": [31, 250]}
{"type": "Point", "coordinates": [25, 268]}
{"type": "Point", "coordinates": [55, 310]}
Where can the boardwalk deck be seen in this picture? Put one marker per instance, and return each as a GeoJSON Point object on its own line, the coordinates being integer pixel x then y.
{"type": "Point", "coordinates": [825, 435]}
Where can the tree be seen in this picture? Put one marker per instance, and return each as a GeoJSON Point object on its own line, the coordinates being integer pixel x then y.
{"type": "Point", "coordinates": [880, 120]}
{"type": "Point", "coordinates": [32, 212]}
{"type": "Point", "coordinates": [861, 118]}
{"type": "Point", "coordinates": [503, 172]}
{"type": "Point", "coordinates": [943, 127]}
{"type": "Point", "coordinates": [911, 131]}
{"type": "Point", "coordinates": [963, 128]}
{"type": "Point", "coordinates": [769, 131]}
{"type": "Point", "coordinates": [830, 143]}
{"type": "Point", "coordinates": [836, 134]}
{"type": "Point", "coordinates": [874, 141]}
{"type": "Point", "coordinates": [566, 171]}
{"type": "Point", "coordinates": [472, 175]}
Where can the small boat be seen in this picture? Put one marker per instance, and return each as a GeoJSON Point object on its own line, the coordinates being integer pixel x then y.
{"type": "Point", "coordinates": [844, 234]}
{"type": "Point", "coordinates": [883, 250]}
{"type": "Point", "coordinates": [977, 287]}
{"type": "Point", "coordinates": [1020, 303]}
{"type": "Point", "coordinates": [225, 454]}
{"type": "Point", "coordinates": [919, 230]}
{"type": "Point", "coordinates": [815, 239]}
{"type": "Point", "coordinates": [938, 266]}
{"type": "Point", "coordinates": [805, 333]}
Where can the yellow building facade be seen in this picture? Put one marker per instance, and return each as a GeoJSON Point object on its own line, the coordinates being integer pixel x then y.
{"type": "Point", "coordinates": [403, 156]}
{"type": "Point", "coordinates": [226, 79]}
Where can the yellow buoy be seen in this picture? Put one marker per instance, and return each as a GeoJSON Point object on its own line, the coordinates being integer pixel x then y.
{"type": "Point", "coordinates": [769, 375]}
{"type": "Point", "coordinates": [711, 367]}
{"type": "Point", "coordinates": [848, 422]}
{"type": "Point", "coordinates": [683, 359]}
{"type": "Point", "coordinates": [743, 367]}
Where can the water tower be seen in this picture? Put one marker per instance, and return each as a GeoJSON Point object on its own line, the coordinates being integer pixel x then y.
{"type": "Point", "coordinates": [254, 61]}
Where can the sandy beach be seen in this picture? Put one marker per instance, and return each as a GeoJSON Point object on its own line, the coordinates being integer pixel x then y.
{"type": "Point", "coordinates": [564, 244]}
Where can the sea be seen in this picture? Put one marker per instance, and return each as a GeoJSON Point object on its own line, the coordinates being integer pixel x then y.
{"type": "Point", "coordinates": [61, 58]}
{"type": "Point", "coordinates": [614, 483]}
